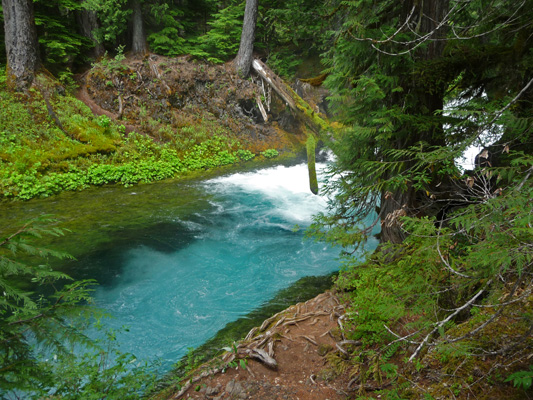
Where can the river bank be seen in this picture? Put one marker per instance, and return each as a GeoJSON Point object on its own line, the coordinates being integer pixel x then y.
{"type": "Point", "coordinates": [136, 120]}
{"type": "Point", "coordinates": [288, 357]}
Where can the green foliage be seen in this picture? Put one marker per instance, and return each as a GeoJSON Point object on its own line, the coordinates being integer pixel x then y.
{"type": "Point", "coordinates": [112, 65]}
{"type": "Point", "coordinates": [290, 32]}
{"type": "Point", "coordinates": [109, 372]}
{"type": "Point", "coordinates": [41, 335]}
{"type": "Point", "coordinates": [38, 159]}
{"type": "Point", "coordinates": [113, 16]}
{"type": "Point", "coordinates": [521, 379]}
{"type": "Point", "coordinates": [270, 153]}
{"type": "Point", "coordinates": [190, 362]}
{"type": "Point", "coordinates": [437, 267]}
{"type": "Point", "coordinates": [453, 244]}
{"type": "Point", "coordinates": [245, 155]}
{"type": "Point", "coordinates": [3, 78]}
{"type": "Point", "coordinates": [167, 41]}
{"type": "Point", "coordinates": [221, 42]}
{"type": "Point", "coordinates": [284, 62]}
{"type": "Point", "coordinates": [57, 33]}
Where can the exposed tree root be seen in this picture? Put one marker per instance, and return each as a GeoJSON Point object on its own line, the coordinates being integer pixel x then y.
{"type": "Point", "coordinates": [259, 343]}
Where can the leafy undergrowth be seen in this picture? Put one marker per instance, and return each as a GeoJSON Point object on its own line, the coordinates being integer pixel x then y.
{"type": "Point", "coordinates": [493, 363]}
{"type": "Point", "coordinates": [448, 313]}
{"type": "Point", "coordinates": [52, 142]}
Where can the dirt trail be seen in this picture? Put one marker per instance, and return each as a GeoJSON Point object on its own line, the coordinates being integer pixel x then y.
{"type": "Point", "coordinates": [82, 95]}
{"type": "Point", "coordinates": [299, 340]}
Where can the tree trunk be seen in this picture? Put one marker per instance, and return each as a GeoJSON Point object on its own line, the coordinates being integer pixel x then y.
{"type": "Point", "coordinates": [88, 23]}
{"type": "Point", "coordinates": [139, 45]}
{"type": "Point", "coordinates": [244, 58]}
{"type": "Point", "coordinates": [393, 207]}
{"type": "Point", "coordinates": [430, 97]}
{"type": "Point", "coordinates": [21, 43]}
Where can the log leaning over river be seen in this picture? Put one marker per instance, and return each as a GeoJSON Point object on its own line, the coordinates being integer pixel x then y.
{"type": "Point", "coordinates": [316, 122]}
{"type": "Point", "coordinates": [313, 120]}
{"type": "Point", "coordinates": [280, 87]}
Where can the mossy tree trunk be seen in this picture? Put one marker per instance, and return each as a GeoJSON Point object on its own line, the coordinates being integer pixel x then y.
{"type": "Point", "coordinates": [22, 48]}
{"type": "Point", "coordinates": [311, 164]}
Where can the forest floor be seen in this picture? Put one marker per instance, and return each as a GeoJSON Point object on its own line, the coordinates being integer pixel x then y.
{"type": "Point", "coordinates": [306, 344]}
{"type": "Point", "coordinates": [299, 339]}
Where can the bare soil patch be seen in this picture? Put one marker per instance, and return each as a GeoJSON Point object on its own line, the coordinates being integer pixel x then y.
{"type": "Point", "coordinates": [160, 96]}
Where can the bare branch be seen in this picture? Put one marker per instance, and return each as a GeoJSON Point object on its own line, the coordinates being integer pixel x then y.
{"type": "Point", "coordinates": [440, 324]}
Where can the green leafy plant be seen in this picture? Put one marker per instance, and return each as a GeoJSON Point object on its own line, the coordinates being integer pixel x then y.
{"type": "Point", "coordinates": [270, 153]}
{"type": "Point", "coordinates": [521, 379]}
{"type": "Point", "coordinates": [42, 160]}
{"type": "Point", "coordinates": [113, 65]}
{"type": "Point", "coordinates": [236, 362]}
{"type": "Point", "coordinates": [245, 155]}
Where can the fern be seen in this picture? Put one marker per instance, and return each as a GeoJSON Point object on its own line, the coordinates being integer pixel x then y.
{"type": "Point", "coordinates": [522, 379]}
{"type": "Point", "coordinates": [34, 327]}
{"type": "Point", "coordinates": [390, 351]}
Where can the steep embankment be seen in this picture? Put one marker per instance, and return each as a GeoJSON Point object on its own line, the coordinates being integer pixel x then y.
{"type": "Point", "coordinates": [139, 120]}
{"type": "Point", "coordinates": [162, 97]}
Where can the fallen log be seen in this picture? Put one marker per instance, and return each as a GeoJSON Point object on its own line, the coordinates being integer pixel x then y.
{"type": "Point", "coordinates": [275, 82]}
{"type": "Point", "coordinates": [301, 109]}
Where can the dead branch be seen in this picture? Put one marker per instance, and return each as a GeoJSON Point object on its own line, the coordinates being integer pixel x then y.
{"type": "Point", "coordinates": [440, 324]}
{"type": "Point", "coordinates": [309, 339]}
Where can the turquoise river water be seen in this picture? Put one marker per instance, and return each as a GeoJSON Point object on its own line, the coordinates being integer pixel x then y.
{"type": "Point", "coordinates": [176, 262]}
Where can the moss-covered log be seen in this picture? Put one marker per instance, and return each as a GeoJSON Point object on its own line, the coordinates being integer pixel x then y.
{"type": "Point", "coordinates": [311, 147]}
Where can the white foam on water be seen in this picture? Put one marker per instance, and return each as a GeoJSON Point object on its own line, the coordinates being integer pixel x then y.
{"type": "Point", "coordinates": [286, 187]}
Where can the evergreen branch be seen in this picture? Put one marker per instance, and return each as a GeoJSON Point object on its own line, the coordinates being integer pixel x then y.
{"type": "Point", "coordinates": [17, 233]}
{"type": "Point", "coordinates": [529, 171]}
{"type": "Point", "coordinates": [445, 22]}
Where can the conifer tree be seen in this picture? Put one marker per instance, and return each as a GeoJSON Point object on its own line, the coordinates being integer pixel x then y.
{"type": "Point", "coordinates": [21, 43]}
{"type": "Point", "coordinates": [415, 84]}
{"type": "Point", "coordinates": [393, 67]}
{"type": "Point", "coordinates": [244, 58]}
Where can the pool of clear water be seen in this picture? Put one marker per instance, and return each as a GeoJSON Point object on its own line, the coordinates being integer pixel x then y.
{"type": "Point", "coordinates": [176, 262]}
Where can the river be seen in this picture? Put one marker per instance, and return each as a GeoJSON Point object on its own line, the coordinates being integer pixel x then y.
{"type": "Point", "coordinates": [177, 261]}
